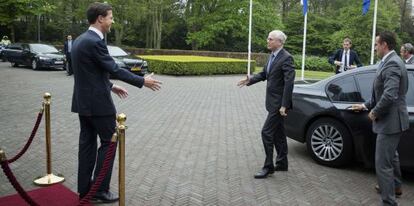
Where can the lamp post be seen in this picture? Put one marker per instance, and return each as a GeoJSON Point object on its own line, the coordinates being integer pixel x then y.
{"type": "Point", "coordinates": [38, 28]}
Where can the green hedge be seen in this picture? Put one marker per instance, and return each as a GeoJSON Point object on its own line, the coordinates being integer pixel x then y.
{"type": "Point", "coordinates": [195, 65]}
{"type": "Point", "coordinates": [313, 63]}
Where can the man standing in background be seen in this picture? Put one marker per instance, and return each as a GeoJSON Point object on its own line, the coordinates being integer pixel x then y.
{"type": "Point", "coordinates": [345, 58]}
{"type": "Point", "coordinates": [67, 50]}
{"type": "Point", "coordinates": [406, 52]}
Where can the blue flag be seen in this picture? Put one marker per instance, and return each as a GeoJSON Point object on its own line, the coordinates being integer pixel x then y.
{"type": "Point", "coordinates": [305, 6]}
{"type": "Point", "coordinates": [365, 6]}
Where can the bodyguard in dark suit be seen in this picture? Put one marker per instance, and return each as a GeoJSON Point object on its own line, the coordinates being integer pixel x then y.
{"type": "Point", "coordinates": [92, 98]}
{"type": "Point", "coordinates": [280, 75]}
{"type": "Point", "coordinates": [345, 58]}
{"type": "Point", "coordinates": [388, 112]}
{"type": "Point", "coordinates": [67, 49]}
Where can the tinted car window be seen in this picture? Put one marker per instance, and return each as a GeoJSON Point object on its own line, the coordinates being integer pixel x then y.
{"type": "Point", "coordinates": [365, 82]}
{"type": "Point", "coordinates": [43, 48]}
{"type": "Point", "coordinates": [343, 90]}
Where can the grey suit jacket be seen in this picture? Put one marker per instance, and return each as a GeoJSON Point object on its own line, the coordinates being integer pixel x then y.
{"type": "Point", "coordinates": [279, 81]}
{"type": "Point", "coordinates": [388, 97]}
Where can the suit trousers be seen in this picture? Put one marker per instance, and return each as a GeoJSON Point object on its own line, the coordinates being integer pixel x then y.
{"type": "Point", "coordinates": [90, 157]}
{"type": "Point", "coordinates": [273, 136]}
{"type": "Point", "coordinates": [69, 65]}
{"type": "Point", "coordinates": [387, 166]}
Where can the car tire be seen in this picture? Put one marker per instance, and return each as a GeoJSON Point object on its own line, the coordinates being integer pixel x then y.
{"type": "Point", "coordinates": [14, 64]}
{"type": "Point", "coordinates": [329, 142]}
{"type": "Point", "coordinates": [34, 65]}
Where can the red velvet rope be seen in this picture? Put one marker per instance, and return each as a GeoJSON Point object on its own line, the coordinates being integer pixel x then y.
{"type": "Point", "coordinates": [39, 119]}
{"type": "Point", "coordinates": [16, 185]}
{"type": "Point", "coordinates": [105, 167]}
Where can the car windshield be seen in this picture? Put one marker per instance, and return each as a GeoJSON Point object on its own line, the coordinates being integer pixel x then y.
{"type": "Point", "coordinates": [43, 48]}
{"type": "Point", "coordinates": [116, 51]}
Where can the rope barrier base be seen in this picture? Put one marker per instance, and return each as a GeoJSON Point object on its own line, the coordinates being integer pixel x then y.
{"type": "Point", "coordinates": [55, 195]}
{"type": "Point", "coordinates": [49, 179]}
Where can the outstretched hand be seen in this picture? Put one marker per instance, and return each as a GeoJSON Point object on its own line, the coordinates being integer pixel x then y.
{"type": "Point", "coordinates": [152, 83]}
{"type": "Point", "coordinates": [243, 82]}
{"type": "Point", "coordinates": [120, 91]}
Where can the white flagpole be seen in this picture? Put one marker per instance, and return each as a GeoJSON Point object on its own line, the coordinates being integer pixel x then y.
{"type": "Point", "coordinates": [304, 45]}
{"type": "Point", "coordinates": [250, 37]}
{"type": "Point", "coordinates": [374, 29]}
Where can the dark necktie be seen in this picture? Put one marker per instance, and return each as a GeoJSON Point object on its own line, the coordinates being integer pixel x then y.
{"type": "Point", "coordinates": [271, 59]}
{"type": "Point", "coordinates": [346, 61]}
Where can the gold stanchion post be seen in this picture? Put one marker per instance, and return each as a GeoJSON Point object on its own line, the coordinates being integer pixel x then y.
{"type": "Point", "coordinates": [50, 178]}
{"type": "Point", "coordinates": [121, 135]}
{"type": "Point", "coordinates": [2, 156]}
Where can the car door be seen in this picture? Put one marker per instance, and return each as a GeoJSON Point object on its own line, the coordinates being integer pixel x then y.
{"type": "Point", "coordinates": [26, 55]}
{"type": "Point", "coordinates": [351, 89]}
{"type": "Point", "coordinates": [406, 145]}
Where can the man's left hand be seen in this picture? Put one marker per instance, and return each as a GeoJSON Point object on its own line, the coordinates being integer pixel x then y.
{"type": "Point", "coordinates": [282, 111]}
{"type": "Point", "coordinates": [120, 91]}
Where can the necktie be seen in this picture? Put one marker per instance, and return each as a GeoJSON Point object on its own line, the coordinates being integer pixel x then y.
{"type": "Point", "coordinates": [346, 61]}
{"type": "Point", "coordinates": [271, 59]}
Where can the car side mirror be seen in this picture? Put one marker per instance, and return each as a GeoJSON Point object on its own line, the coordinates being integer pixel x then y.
{"type": "Point", "coordinates": [26, 51]}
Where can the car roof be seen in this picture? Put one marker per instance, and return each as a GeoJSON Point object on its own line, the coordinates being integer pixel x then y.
{"type": "Point", "coordinates": [374, 67]}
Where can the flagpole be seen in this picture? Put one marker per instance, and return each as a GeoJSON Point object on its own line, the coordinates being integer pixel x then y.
{"type": "Point", "coordinates": [374, 29]}
{"type": "Point", "coordinates": [250, 37]}
{"type": "Point", "coordinates": [304, 45]}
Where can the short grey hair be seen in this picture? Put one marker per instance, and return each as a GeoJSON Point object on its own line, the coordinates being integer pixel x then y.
{"type": "Point", "coordinates": [408, 47]}
{"type": "Point", "coordinates": [278, 35]}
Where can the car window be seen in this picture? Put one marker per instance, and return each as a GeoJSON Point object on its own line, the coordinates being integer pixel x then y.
{"type": "Point", "coordinates": [343, 90]}
{"type": "Point", "coordinates": [410, 93]}
{"type": "Point", "coordinates": [43, 48]}
{"type": "Point", "coordinates": [15, 46]}
{"type": "Point", "coordinates": [116, 51]}
{"type": "Point", "coordinates": [365, 82]}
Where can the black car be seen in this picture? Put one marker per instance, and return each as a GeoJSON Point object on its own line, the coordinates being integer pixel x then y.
{"type": "Point", "coordinates": [336, 135]}
{"type": "Point", "coordinates": [34, 55]}
{"type": "Point", "coordinates": [129, 62]}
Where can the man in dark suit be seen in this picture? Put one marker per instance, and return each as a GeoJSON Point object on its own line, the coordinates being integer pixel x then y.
{"type": "Point", "coordinates": [92, 98]}
{"type": "Point", "coordinates": [407, 53]}
{"type": "Point", "coordinates": [345, 58]}
{"type": "Point", "coordinates": [280, 75]}
{"type": "Point", "coordinates": [67, 48]}
{"type": "Point", "coordinates": [388, 112]}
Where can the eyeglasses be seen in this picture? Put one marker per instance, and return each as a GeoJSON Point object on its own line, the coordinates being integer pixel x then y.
{"type": "Point", "coordinates": [272, 39]}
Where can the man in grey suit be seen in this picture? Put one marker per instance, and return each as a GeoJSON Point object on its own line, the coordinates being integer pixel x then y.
{"type": "Point", "coordinates": [407, 53]}
{"type": "Point", "coordinates": [388, 112]}
{"type": "Point", "coordinates": [280, 75]}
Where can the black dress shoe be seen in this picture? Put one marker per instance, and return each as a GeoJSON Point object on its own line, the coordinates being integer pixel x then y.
{"type": "Point", "coordinates": [263, 173]}
{"type": "Point", "coordinates": [104, 197]}
{"type": "Point", "coordinates": [281, 168]}
{"type": "Point", "coordinates": [398, 191]}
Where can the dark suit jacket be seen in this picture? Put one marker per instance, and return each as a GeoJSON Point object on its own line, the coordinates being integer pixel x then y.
{"type": "Point", "coordinates": [388, 97]}
{"type": "Point", "coordinates": [279, 81]}
{"type": "Point", "coordinates": [91, 66]}
{"type": "Point", "coordinates": [337, 56]}
{"type": "Point", "coordinates": [66, 47]}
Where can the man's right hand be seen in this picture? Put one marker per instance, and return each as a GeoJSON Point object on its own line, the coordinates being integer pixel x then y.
{"type": "Point", "coordinates": [151, 83]}
{"type": "Point", "coordinates": [243, 82]}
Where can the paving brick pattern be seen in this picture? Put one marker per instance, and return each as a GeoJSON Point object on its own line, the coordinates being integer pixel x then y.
{"type": "Point", "coordinates": [195, 142]}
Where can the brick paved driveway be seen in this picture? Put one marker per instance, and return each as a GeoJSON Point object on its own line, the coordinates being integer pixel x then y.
{"type": "Point", "coordinates": [195, 142]}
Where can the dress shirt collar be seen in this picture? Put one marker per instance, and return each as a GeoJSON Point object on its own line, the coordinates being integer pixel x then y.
{"type": "Point", "coordinates": [100, 34]}
{"type": "Point", "coordinates": [407, 60]}
{"type": "Point", "coordinates": [385, 56]}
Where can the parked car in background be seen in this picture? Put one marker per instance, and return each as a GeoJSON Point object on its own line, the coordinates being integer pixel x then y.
{"type": "Point", "coordinates": [129, 62]}
{"type": "Point", "coordinates": [336, 135]}
{"type": "Point", "coordinates": [34, 55]}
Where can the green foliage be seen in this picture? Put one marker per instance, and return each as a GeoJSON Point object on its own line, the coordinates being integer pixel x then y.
{"type": "Point", "coordinates": [313, 63]}
{"type": "Point", "coordinates": [195, 65]}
